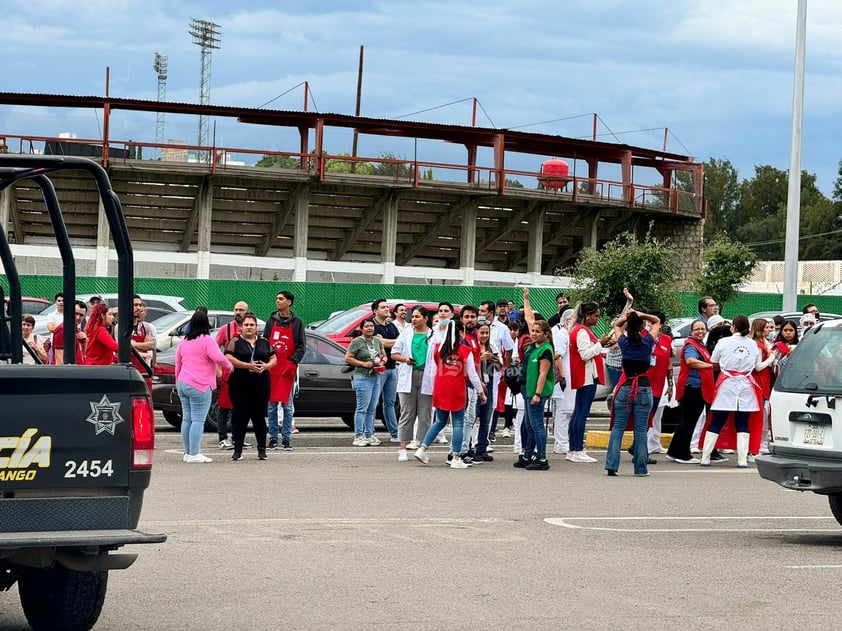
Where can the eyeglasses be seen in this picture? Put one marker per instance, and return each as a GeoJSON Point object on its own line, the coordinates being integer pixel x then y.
{"type": "Point", "coordinates": [710, 304]}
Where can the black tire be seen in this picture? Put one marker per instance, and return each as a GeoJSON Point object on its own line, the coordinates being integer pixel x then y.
{"type": "Point", "coordinates": [835, 502]}
{"type": "Point", "coordinates": [173, 418]}
{"type": "Point", "coordinates": [211, 423]}
{"type": "Point", "coordinates": [60, 599]}
{"type": "Point", "coordinates": [348, 419]}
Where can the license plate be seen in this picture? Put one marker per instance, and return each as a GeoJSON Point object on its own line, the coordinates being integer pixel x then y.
{"type": "Point", "coordinates": [814, 434]}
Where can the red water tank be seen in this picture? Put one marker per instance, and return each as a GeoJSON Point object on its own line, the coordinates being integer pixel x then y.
{"type": "Point", "coordinates": [555, 173]}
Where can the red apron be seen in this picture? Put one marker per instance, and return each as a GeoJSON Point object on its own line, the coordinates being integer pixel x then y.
{"type": "Point", "coordinates": [577, 364]}
{"type": "Point", "coordinates": [630, 422]}
{"type": "Point", "coordinates": [141, 337]}
{"type": "Point", "coordinates": [728, 434]}
{"type": "Point", "coordinates": [283, 374]}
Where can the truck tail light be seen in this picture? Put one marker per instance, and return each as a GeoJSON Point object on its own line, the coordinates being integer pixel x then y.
{"type": "Point", "coordinates": [164, 369]}
{"type": "Point", "coordinates": [143, 432]}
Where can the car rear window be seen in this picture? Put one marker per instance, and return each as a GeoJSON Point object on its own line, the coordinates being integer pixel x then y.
{"type": "Point", "coordinates": [341, 321]}
{"type": "Point", "coordinates": [816, 363]}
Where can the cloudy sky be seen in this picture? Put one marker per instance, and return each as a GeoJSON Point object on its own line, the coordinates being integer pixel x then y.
{"type": "Point", "coordinates": [717, 73]}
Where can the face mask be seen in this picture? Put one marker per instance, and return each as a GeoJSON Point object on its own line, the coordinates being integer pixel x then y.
{"type": "Point", "coordinates": [444, 322]}
{"type": "Point", "coordinates": [772, 335]}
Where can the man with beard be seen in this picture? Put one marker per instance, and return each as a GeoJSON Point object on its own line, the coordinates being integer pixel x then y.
{"type": "Point", "coordinates": [285, 332]}
{"type": "Point", "coordinates": [143, 339]}
{"type": "Point", "coordinates": [563, 303]}
{"type": "Point", "coordinates": [224, 405]}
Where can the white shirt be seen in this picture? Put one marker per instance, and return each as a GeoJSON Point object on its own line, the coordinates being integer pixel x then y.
{"type": "Point", "coordinates": [737, 356]}
{"type": "Point", "coordinates": [587, 351]}
{"type": "Point", "coordinates": [500, 337]}
{"type": "Point", "coordinates": [561, 344]}
{"type": "Point", "coordinates": [403, 371]}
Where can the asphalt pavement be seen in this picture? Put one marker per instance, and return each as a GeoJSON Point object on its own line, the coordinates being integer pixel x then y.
{"type": "Point", "coordinates": [331, 536]}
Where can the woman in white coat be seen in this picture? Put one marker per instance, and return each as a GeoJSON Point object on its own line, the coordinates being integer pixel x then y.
{"type": "Point", "coordinates": [415, 376]}
{"type": "Point", "coordinates": [564, 397]}
{"type": "Point", "coordinates": [736, 391]}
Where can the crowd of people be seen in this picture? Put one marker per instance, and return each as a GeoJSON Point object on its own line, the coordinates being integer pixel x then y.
{"type": "Point", "coordinates": [463, 373]}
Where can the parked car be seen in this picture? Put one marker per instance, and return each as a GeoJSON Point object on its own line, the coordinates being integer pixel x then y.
{"type": "Point", "coordinates": [170, 327]}
{"type": "Point", "coordinates": [31, 306]}
{"type": "Point", "coordinates": [324, 389]}
{"type": "Point", "coordinates": [806, 418]}
{"type": "Point", "coordinates": [680, 331]}
{"type": "Point", "coordinates": [340, 326]}
{"type": "Point", "coordinates": [156, 305]}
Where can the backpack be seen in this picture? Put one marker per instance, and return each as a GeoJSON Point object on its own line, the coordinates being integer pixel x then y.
{"type": "Point", "coordinates": [512, 377]}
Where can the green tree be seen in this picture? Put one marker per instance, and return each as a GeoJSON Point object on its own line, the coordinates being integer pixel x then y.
{"type": "Point", "coordinates": [722, 191]}
{"type": "Point", "coordinates": [725, 266]}
{"type": "Point", "coordinates": [279, 162]}
{"type": "Point", "coordinates": [649, 268]}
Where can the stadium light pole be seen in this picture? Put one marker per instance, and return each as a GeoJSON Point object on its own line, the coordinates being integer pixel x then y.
{"type": "Point", "coordinates": [207, 36]}
{"type": "Point", "coordinates": [793, 197]}
{"type": "Point", "coordinates": [160, 67]}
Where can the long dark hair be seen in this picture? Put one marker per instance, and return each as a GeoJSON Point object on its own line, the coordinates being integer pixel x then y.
{"type": "Point", "coordinates": [199, 325]}
{"type": "Point", "coordinates": [450, 345]}
{"type": "Point", "coordinates": [633, 325]}
{"type": "Point", "coordinates": [740, 324]}
{"type": "Point", "coordinates": [584, 309]}
{"type": "Point", "coordinates": [780, 337]}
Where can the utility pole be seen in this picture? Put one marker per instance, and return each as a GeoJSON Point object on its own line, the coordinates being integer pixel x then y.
{"type": "Point", "coordinates": [160, 67]}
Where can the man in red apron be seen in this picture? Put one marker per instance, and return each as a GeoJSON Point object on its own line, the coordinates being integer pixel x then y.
{"type": "Point", "coordinates": [285, 332]}
{"type": "Point", "coordinates": [143, 338]}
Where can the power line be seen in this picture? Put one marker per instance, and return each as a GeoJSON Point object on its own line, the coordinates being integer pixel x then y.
{"type": "Point", "coordinates": [801, 238]}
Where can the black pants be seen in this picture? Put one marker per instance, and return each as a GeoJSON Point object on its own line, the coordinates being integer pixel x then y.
{"type": "Point", "coordinates": [690, 407]}
{"type": "Point", "coordinates": [250, 401]}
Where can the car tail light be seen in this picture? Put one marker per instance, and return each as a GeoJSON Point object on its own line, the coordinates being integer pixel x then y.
{"type": "Point", "coordinates": [143, 432]}
{"type": "Point", "coordinates": [164, 369]}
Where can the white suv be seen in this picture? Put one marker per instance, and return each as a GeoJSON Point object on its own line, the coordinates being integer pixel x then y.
{"type": "Point", "coordinates": [806, 447]}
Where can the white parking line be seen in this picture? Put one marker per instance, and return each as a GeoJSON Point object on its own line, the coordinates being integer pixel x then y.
{"type": "Point", "coordinates": [705, 525]}
{"type": "Point", "coordinates": [812, 567]}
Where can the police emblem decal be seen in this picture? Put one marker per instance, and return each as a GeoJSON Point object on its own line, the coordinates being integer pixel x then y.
{"type": "Point", "coordinates": [104, 415]}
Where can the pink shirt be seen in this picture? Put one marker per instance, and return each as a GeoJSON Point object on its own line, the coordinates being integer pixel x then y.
{"type": "Point", "coordinates": [196, 361]}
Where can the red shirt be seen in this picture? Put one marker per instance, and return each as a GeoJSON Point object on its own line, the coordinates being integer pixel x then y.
{"type": "Point", "coordinates": [449, 388]}
{"type": "Point", "coordinates": [101, 349]}
{"type": "Point", "coordinates": [58, 343]}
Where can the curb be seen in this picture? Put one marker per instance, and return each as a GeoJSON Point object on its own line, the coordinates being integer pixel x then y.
{"type": "Point", "coordinates": [598, 439]}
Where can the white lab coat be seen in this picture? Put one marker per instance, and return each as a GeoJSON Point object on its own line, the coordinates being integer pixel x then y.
{"type": "Point", "coordinates": [737, 356]}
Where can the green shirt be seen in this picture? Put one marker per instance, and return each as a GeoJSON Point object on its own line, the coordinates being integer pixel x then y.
{"type": "Point", "coordinates": [545, 351]}
{"type": "Point", "coordinates": [420, 344]}
{"type": "Point", "coordinates": [365, 351]}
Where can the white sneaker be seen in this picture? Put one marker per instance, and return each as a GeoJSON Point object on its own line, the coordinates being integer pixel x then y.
{"type": "Point", "coordinates": [394, 439]}
{"type": "Point", "coordinates": [750, 458]}
{"type": "Point", "coordinates": [413, 445]}
{"type": "Point", "coordinates": [569, 456]}
{"type": "Point", "coordinates": [581, 456]}
{"type": "Point", "coordinates": [197, 458]}
{"type": "Point", "coordinates": [373, 440]}
{"type": "Point", "coordinates": [660, 450]}
{"type": "Point", "coordinates": [402, 457]}
{"type": "Point", "coordinates": [360, 441]}
{"type": "Point", "coordinates": [489, 449]}
{"type": "Point", "coordinates": [695, 450]}
{"type": "Point", "coordinates": [226, 444]}
{"type": "Point", "coordinates": [506, 433]}
{"type": "Point", "coordinates": [442, 439]}
{"type": "Point", "coordinates": [560, 450]}
{"type": "Point", "coordinates": [457, 463]}
{"type": "Point", "coordinates": [422, 456]}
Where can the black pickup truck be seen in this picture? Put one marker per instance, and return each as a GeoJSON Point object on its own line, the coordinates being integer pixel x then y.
{"type": "Point", "coordinates": [76, 441]}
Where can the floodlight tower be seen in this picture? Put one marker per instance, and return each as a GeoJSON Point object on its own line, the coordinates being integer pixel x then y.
{"type": "Point", "coordinates": [207, 36]}
{"type": "Point", "coordinates": [160, 67]}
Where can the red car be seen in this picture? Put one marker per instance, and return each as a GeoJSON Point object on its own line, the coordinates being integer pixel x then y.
{"type": "Point", "coordinates": [341, 326]}
{"type": "Point", "coordinates": [32, 306]}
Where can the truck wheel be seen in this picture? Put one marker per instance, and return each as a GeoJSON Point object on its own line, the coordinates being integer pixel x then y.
{"type": "Point", "coordinates": [173, 418]}
{"type": "Point", "coordinates": [348, 419]}
{"type": "Point", "coordinates": [835, 502]}
{"type": "Point", "coordinates": [211, 423]}
{"type": "Point", "coordinates": [62, 599]}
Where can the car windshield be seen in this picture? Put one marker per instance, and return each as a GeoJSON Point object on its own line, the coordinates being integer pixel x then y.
{"type": "Point", "coordinates": [341, 321]}
{"type": "Point", "coordinates": [816, 363]}
{"type": "Point", "coordinates": [166, 321]}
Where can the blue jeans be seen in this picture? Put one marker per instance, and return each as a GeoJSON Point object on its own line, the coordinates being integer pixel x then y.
{"type": "Point", "coordinates": [286, 423]}
{"type": "Point", "coordinates": [484, 417]}
{"type": "Point", "coordinates": [536, 438]}
{"type": "Point", "coordinates": [389, 388]}
{"type": "Point", "coordinates": [581, 409]}
{"type": "Point", "coordinates": [440, 423]}
{"type": "Point", "coordinates": [194, 410]}
{"type": "Point", "coordinates": [368, 392]}
{"type": "Point", "coordinates": [638, 408]}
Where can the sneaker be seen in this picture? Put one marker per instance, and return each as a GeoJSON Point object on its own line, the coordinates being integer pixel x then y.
{"type": "Point", "coordinates": [521, 462]}
{"type": "Point", "coordinates": [373, 440]}
{"type": "Point", "coordinates": [442, 440]}
{"type": "Point", "coordinates": [402, 457]}
{"type": "Point", "coordinates": [273, 443]}
{"type": "Point", "coordinates": [247, 445]}
{"type": "Point", "coordinates": [695, 450]}
{"type": "Point", "coordinates": [226, 443]}
{"type": "Point", "coordinates": [717, 457]}
{"type": "Point", "coordinates": [196, 458]}
{"type": "Point", "coordinates": [641, 475]}
{"type": "Point", "coordinates": [660, 450]}
{"type": "Point", "coordinates": [236, 456]}
{"type": "Point", "coordinates": [287, 446]}
{"type": "Point", "coordinates": [683, 460]}
{"type": "Point", "coordinates": [394, 439]}
{"type": "Point", "coordinates": [294, 430]}
{"type": "Point", "coordinates": [413, 445]}
{"type": "Point", "coordinates": [484, 457]}
{"type": "Point", "coordinates": [750, 458]}
{"type": "Point", "coordinates": [489, 449]}
{"type": "Point", "coordinates": [538, 465]}
{"type": "Point", "coordinates": [468, 460]}
{"type": "Point", "coordinates": [261, 454]}
{"type": "Point", "coordinates": [560, 450]}
{"type": "Point", "coordinates": [360, 441]}
{"type": "Point", "coordinates": [506, 433]}
{"type": "Point", "coordinates": [581, 456]}
{"type": "Point", "coordinates": [727, 451]}
{"type": "Point", "coordinates": [421, 456]}
{"type": "Point", "coordinates": [569, 456]}
{"type": "Point", "coordinates": [492, 438]}
{"type": "Point", "coordinates": [457, 463]}
{"type": "Point", "coordinates": [610, 473]}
